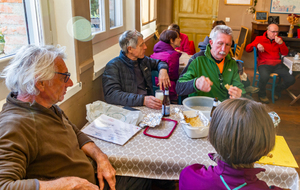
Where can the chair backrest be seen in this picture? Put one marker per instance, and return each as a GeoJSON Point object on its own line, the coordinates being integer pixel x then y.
{"type": "Point", "coordinates": [255, 58]}
{"type": "Point", "coordinates": [153, 75]}
{"type": "Point", "coordinates": [241, 42]}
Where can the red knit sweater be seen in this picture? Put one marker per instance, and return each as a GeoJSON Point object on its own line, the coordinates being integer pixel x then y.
{"type": "Point", "coordinates": [271, 54]}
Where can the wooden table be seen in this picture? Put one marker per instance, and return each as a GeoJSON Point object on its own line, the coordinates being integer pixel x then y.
{"type": "Point", "coordinates": [148, 157]}
{"type": "Point", "coordinates": [293, 65]}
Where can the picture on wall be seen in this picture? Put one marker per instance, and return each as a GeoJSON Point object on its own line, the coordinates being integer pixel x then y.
{"type": "Point", "coordinates": [285, 6]}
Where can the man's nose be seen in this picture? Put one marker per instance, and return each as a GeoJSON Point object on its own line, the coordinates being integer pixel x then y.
{"type": "Point", "coordinates": [69, 83]}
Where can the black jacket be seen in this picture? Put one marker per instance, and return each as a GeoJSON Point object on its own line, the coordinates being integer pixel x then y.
{"type": "Point", "coordinates": [119, 80]}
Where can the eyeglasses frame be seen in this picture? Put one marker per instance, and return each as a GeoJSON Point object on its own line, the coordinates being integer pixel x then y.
{"type": "Point", "coordinates": [67, 76]}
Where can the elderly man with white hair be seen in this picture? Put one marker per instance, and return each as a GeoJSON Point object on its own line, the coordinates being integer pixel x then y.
{"type": "Point", "coordinates": [39, 147]}
{"type": "Point", "coordinates": [127, 78]}
{"type": "Point", "coordinates": [210, 71]}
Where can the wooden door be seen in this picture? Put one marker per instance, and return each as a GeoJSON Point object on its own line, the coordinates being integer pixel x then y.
{"type": "Point", "coordinates": [195, 18]}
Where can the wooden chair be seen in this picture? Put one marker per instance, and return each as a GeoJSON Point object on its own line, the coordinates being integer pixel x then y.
{"type": "Point", "coordinates": [240, 43]}
{"type": "Point", "coordinates": [256, 77]}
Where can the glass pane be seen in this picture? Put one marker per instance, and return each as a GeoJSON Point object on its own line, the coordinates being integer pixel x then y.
{"type": "Point", "coordinates": [13, 30]}
{"type": "Point", "coordinates": [115, 13]}
{"type": "Point", "coordinates": [97, 16]}
{"type": "Point", "coordinates": [152, 10]}
{"type": "Point", "coordinates": [145, 11]}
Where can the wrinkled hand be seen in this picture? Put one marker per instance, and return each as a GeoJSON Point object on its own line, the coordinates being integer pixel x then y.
{"type": "Point", "coordinates": [204, 84]}
{"type": "Point", "coordinates": [107, 172]}
{"type": "Point", "coordinates": [278, 40]}
{"type": "Point", "coordinates": [68, 183]}
{"type": "Point", "coordinates": [152, 102]}
{"type": "Point", "coordinates": [260, 48]}
{"type": "Point", "coordinates": [163, 79]}
{"type": "Point", "coordinates": [234, 92]}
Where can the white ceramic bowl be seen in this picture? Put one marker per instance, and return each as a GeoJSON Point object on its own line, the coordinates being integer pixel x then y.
{"type": "Point", "coordinates": [191, 102]}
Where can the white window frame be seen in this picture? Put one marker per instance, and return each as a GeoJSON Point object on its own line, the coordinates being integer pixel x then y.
{"type": "Point", "coordinates": [55, 15]}
{"type": "Point", "coordinates": [109, 32]}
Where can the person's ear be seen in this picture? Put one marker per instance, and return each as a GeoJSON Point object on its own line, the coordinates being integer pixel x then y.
{"type": "Point", "coordinates": [40, 85]}
{"type": "Point", "coordinates": [129, 49]}
{"type": "Point", "coordinates": [171, 41]}
{"type": "Point", "coordinates": [210, 42]}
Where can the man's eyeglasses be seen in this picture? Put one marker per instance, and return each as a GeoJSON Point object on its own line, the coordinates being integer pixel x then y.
{"type": "Point", "coordinates": [221, 81]}
{"type": "Point", "coordinates": [67, 76]}
{"type": "Point", "coordinates": [274, 32]}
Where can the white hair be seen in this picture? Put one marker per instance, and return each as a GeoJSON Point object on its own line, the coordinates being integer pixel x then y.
{"type": "Point", "coordinates": [31, 64]}
{"type": "Point", "coordinates": [220, 29]}
{"type": "Point", "coordinates": [129, 38]}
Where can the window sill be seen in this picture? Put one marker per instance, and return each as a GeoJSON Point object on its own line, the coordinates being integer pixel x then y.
{"type": "Point", "coordinates": [102, 58]}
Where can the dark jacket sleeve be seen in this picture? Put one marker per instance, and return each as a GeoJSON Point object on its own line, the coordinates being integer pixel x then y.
{"type": "Point", "coordinates": [113, 91]}
{"type": "Point", "coordinates": [187, 87]}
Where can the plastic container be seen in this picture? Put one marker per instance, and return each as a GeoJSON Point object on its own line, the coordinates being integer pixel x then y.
{"type": "Point", "coordinates": [196, 132]}
{"type": "Point", "coordinates": [204, 101]}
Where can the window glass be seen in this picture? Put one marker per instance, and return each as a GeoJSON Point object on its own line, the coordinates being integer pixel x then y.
{"type": "Point", "coordinates": [115, 13]}
{"type": "Point", "coordinates": [97, 16]}
{"type": "Point", "coordinates": [20, 25]}
{"type": "Point", "coordinates": [148, 8]}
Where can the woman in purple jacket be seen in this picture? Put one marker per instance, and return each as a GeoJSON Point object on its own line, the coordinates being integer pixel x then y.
{"type": "Point", "coordinates": [164, 50]}
{"type": "Point", "coordinates": [241, 131]}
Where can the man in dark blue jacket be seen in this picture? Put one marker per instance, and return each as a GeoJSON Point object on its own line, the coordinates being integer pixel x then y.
{"type": "Point", "coordinates": [127, 78]}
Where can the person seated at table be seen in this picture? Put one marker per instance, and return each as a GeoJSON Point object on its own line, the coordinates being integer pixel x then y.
{"type": "Point", "coordinates": [127, 78]}
{"type": "Point", "coordinates": [241, 131]}
{"type": "Point", "coordinates": [39, 147]}
{"type": "Point", "coordinates": [164, 50]}
{"type": "Point", "coordinates": [209, 71]}
{"type": "Point", "coordinates": [270, 46]}
{"type": "Point", "coordinates": [243, 76]}
{"type": "Point", "coordinates": [184, 44]}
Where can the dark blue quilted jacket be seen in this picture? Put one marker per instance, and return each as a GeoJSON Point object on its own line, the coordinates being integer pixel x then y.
{"type": "Point", "coordinates": [119, 82]}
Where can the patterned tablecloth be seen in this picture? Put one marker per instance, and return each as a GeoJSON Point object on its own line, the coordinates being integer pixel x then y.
{"type": "Point", "coordinates": [292, 64]}
{"type": "Point", "coordinates": [148, 157]}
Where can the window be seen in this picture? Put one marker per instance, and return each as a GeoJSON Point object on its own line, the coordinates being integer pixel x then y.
{"type": "Point", "coordinates": [115, 13]}
{"type": "Point", "coordinates": [106, 19]}
{"type": "Point", "coordinates": [20, 25]}
{"type": "Point", "coordinates": [148, 11]}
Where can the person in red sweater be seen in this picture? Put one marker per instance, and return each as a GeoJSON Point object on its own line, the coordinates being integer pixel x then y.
{"type": "Point", "coordinates": [270, 47]}
{"type": "Point", "coordinates": [184, 44]}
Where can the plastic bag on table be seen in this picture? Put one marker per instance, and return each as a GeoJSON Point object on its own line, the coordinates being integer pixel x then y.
{"type": "Point", "coordinates": [95, 109]}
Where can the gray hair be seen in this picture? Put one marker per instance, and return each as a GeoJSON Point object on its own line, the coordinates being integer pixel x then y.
{"type": "Point", "coordinates": [220, 29]}
{"type": "Point", "coordinates": [31, 64]}
{"type": "Point", "coordinates": [129, 38]}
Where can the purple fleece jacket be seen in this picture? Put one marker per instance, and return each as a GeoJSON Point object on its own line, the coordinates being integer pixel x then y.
{"type": "Point", "coordinates": [197, 176]}
{"type": "Point", "coordinates": [165, 52]}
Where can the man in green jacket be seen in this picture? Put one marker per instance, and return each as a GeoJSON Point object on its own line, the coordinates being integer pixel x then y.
{"type": "Point", "coordinates": [210, 72]}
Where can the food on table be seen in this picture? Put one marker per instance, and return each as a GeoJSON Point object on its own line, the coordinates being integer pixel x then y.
{"type": "Point", "coordinates": [270, 155]}
{"type": "Point", "coordinates": [227, 86]}
{"type": "Point", "coordinates": [194, 121]}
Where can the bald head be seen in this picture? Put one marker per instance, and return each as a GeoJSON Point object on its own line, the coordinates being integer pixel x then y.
{"type": "Point", "coordinates": [272, 31]}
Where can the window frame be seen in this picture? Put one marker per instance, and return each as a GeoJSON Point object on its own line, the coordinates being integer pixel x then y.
{"type": "Point", "coordinates": [149, 12]}
{"type": "Point", "coordinates": [110, 32]}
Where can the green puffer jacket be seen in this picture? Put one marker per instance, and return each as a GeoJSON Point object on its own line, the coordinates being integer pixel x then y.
{"type": "Point", "coordinates": [204, 65]}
